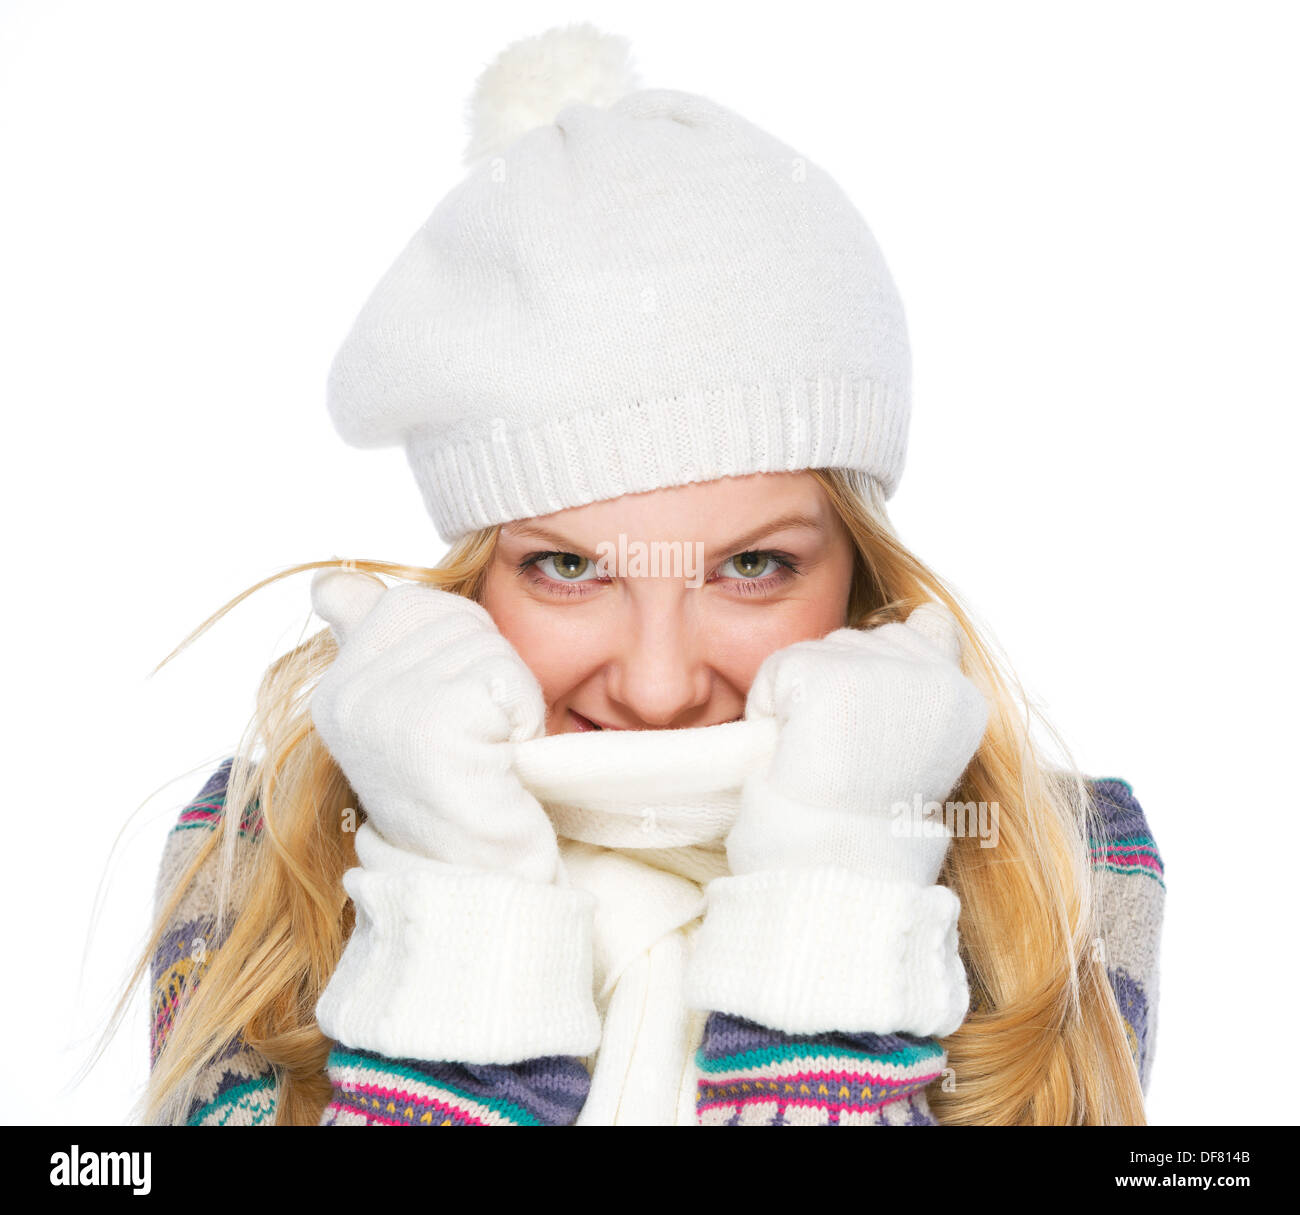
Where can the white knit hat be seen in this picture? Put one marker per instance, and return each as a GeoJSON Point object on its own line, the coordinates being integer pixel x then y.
{"type": "Point", "coordinates": [631, 289]}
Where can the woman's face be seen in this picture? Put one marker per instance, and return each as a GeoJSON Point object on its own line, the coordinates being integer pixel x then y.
{"type": "Point", "coordinates": [655, 610]}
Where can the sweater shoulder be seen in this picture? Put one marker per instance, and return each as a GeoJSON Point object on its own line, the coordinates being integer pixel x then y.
{"type": "Point", "coordinates": [238, 1086]}
{"type": "Point", "coordinates": [1120, 837]}
{"type": "Point", "coordinates": [207, 807]}
{"type": "Point", "coordinates": [197, 820]}
{"type": "Point", "coordinates": [1130, 877]}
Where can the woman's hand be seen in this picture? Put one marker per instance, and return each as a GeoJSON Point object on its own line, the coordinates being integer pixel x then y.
{"type": "Point", "coordinates": [420, 709]}
{"type": "Point", "coordinates": [873, 724]}
{"type": "Point", "coordinates": [466, 946]}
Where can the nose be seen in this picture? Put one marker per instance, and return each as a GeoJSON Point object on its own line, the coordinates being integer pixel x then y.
{"type": "Point", "coordinates": [658, 673]}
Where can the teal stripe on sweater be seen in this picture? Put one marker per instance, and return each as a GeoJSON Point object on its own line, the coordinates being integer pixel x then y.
{"type": "Point", "coordinates": [246, 1096]}
{"type": "Point", "coordinates": [790, 1052]}
{"type": "Point", "coordinates": [507, 1109]}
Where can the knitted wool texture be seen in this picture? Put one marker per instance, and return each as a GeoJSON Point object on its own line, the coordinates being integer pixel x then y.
{"type": "Point", "coordinates": [631, 296]}
{"type": "Point", "coordinates": [748, 1075]}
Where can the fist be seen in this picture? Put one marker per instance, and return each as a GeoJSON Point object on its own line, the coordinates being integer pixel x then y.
{"type": "Point", "coordinates": [870, 717]}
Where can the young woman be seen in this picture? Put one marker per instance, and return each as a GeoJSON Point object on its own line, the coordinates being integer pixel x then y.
{"type": "Point", "coordinates": [680, 790]}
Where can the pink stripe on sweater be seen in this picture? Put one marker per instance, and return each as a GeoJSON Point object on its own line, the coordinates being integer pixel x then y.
{"type": "Point", "coordinates": [835, 1078]}
{"type": "Point", "coordinates": [785, 1102]}
{"type": "Point", "coordinates": [398, 1097]}
{"type": "Point", "coordinates": [1133, 860]}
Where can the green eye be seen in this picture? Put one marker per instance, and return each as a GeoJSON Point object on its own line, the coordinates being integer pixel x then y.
{"type": "Point", "coordinates": [568, 566]}
{"type": "Point", "coordinates": [749, 565]}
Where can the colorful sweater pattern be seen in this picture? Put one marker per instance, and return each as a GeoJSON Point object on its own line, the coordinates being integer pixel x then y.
{"type": "Point", "coordinates": [748, 1074]}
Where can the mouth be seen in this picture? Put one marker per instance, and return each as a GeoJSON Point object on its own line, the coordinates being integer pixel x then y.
{"type": "Point", "coordinates": [583, 724]}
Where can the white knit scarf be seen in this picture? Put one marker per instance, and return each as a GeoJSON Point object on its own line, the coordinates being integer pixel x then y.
{"type": "Point", "coordinates": [642, 817]}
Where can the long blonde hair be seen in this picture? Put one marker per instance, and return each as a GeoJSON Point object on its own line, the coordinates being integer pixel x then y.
{"type": "Point", "coordinates": [1043, 1044]}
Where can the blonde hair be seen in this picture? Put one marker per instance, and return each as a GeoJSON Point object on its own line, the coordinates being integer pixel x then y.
{"type": "Point", "coordinates": [1043, 1044]}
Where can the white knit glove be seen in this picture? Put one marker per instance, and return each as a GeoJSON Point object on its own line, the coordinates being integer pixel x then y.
{"type": "Point", "coordinates": [419, 710]}
{"type": "Point", "coordinates": [465, 948]}
{"type": "Point", "coordinates": [832, 920]}
{"type": "Point", "coordinates": [870, 721]}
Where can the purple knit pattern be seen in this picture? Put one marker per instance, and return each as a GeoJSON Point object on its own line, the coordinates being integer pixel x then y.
{"type": "Point", "coordinates": [1121, 816]}
{"type": "Point", "coordinates": [733, 1035]}
{"type": "Point", "coordinates": [547, 1091]}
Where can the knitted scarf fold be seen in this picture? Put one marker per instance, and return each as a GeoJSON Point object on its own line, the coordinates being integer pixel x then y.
{"type": "Point", "coordinates": [642, 818]}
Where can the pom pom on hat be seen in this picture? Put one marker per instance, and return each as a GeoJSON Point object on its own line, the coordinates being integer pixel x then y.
{"type": "Point", "coordinates": [530, 81]}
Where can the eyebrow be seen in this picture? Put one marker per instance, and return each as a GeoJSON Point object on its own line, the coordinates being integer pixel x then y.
{"type": "Point", "coordinates": [741, 544]}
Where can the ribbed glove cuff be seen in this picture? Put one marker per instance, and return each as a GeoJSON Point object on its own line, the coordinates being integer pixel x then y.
{"type": "Point", "coordinates": [818, 950]}
{"type": "Point", "coordinates": [462, 964]}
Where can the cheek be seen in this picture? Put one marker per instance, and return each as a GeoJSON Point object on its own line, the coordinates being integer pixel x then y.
{"type": "Point", "coordinates": [556, 645]}
{"type": "Point", "coordinates": [740, 650]}
{"type": "Point", "coordinates": [741, 641]}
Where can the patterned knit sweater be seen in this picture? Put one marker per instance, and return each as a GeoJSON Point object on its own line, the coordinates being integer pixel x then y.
{"type": "Point", "coordinates": [748, 1074]}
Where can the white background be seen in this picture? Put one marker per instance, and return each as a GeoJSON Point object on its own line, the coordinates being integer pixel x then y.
{"type": "Point", "coordinates": [1090, 210]}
